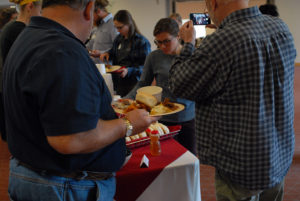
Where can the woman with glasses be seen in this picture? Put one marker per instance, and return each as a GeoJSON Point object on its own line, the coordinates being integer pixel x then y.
{"type": "Point", "coordinates": [104, 32]}
{"type": "Point", "coordinates": [129, 50]}
{"type": "Point", "coordinates": [157, 65]}
{"type": "Point", "coordinates": [26, 9]}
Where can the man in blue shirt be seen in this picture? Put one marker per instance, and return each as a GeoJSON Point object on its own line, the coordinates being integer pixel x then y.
{"type": "Point", "coordinates": [65, 139]}
{"type": "Point", "coordinates": [241, 78]}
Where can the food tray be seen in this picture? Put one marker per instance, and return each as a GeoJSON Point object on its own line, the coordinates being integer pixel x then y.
{"type": "Point", "coordinates": [174, 130]}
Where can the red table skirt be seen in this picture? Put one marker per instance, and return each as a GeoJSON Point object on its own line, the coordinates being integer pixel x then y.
{"type": "Point", "coordinates": [133, 180]}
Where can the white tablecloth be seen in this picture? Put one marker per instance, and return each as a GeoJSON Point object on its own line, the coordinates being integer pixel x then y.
{"type": "Point", "coordinates": [179, 181]}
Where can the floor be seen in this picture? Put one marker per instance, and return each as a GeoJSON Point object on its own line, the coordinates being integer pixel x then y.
{"type": "Point", "coordinates": [292, 182]}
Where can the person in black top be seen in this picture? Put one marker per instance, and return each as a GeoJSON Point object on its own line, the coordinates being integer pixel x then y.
{"type": "Point", "coordinates": [65, 138]}
{"type": "Point", "coordinates": [26, 9]}
{"type": "Point", "coordinates": [129, 50]}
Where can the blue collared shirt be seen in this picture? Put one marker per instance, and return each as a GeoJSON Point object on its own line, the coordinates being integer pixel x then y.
{"type": "Point", "coordinates": [103, 36]}
{"type": "Point", "coordinates": [54, 89]}
{"type": "Point", "coordinates": [241, 78]}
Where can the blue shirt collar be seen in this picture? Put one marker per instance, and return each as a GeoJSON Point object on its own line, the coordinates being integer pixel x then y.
{"type": "Point", "coordinates": [108, 17]}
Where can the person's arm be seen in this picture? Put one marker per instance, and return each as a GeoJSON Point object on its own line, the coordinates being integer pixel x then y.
{"type": "Point", "coordinates": [198, 74]}
{"type": "Point", "coordinates": [105, 133]}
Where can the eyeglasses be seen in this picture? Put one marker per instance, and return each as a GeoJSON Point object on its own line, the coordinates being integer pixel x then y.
{"type": "Point", "coordinates": [120, 27]}
{"type": "Point", "coordinates": [165, 42]}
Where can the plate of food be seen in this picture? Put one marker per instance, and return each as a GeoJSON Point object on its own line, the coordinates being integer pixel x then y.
{"type": "Point", "coordinates": [149, 103]}
{"type": "Point", "coordinates": [111, 68]}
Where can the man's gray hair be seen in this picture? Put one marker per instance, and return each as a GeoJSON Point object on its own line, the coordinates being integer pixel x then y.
{"type": "Point", "coordinates": [75, 4]}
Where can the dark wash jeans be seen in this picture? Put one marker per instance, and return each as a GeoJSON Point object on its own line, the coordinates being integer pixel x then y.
{"type": "Point", "coordinates": [25, 184]}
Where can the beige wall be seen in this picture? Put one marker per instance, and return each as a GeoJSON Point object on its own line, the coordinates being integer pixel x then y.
{"type": "Point", "coordinates": [289, 13]}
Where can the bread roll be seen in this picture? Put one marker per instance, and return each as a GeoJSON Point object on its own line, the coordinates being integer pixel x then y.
{"type": "Point", "coordinates": [158, 128]}
{"type": "Point", "coordinates": [146, 99]}
{"type": "Point", "coordinates": [164, 128]}
{"type": "Point", "coordinates": [143, 134]}
{"type": "Point", "coordinates": [127, 139]}
{"type": "Point", "coordinates": [134, 137]}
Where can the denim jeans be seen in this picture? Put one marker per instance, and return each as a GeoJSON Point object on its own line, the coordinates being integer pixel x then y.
{"type": "Point", "coordinates": [25, 184]}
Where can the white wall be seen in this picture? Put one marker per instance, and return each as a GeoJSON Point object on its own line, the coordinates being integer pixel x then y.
{"type": "Point", "coordinates": [146, 14]}
{"type": "Point", "coordinates": [289, 12]}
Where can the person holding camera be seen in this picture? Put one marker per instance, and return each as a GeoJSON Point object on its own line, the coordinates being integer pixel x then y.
{"type": "Point", "coordinates": [241, 78]}
{"type": "Point", "coordinates": [65, 139]}
{"type": "Point", "coordinates": [129, 50]}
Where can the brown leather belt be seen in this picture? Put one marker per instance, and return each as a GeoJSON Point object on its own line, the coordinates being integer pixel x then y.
{"type": "Point", "coordinates": [80, 175]}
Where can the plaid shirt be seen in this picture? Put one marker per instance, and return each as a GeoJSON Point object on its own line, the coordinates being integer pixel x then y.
{"type": "Point", "coordinates": [134, 62]}
{"type": "Point", "coordinates": [241, 78]}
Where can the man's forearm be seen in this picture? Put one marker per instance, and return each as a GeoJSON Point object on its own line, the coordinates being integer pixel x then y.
{"type": "Point", "coordinates": [105, 133]}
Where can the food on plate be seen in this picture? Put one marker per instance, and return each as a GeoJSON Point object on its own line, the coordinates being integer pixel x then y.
{"type": "Point", "coordinates": [146, 99]}
{"type": "Point", "coordinates": [164, 107]}
{"type": "Point", "coordinates": [147, 102]}
{"type": "Point", "coordinates": [122, 103]}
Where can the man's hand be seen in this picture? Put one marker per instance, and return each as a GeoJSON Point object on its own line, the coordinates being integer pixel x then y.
{"type": "Point", "coordinates": [104, 57]}
{"type": "Point", "coordinates": [123, 72]}
{"type": "Point", "coordinates": [95, 53]}
{"type": "Point", "coordinates": [140, 120]}
{"type": "Point", "coordinates": [188, 33]}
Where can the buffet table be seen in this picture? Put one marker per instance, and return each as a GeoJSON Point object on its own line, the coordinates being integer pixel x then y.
{"type": "Point", "coordinates": [174, 175]}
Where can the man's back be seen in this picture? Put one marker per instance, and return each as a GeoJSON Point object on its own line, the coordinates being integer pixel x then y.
{"type": "Point", "coordinates": [244, 98]}
{"type": "Point", "coordinates": [54, 88]}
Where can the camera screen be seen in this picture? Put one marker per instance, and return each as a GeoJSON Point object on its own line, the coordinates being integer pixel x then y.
{"type": "Point", "coordinates": [200, 18]}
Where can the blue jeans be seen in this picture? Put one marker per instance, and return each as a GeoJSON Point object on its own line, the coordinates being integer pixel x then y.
{"type": "Point", "coordinates": [25, 184]}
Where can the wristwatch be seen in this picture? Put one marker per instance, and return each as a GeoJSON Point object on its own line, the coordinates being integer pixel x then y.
{"type": "Point", "coordinates": [129, 126]}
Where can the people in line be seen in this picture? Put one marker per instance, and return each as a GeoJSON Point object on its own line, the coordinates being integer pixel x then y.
{"type": "Point", "coordinates": [63, 134]}
{"type": "Point", "coordinates": [26, 9]}
{"type": "Point", "coordinates": [157, 65]}
{"type": "Point", "coordinates": [242, 80]}
{"type": "Point", "coordinates": [104, 33]}
{"type": "Point", "coordinates": [129, 50]}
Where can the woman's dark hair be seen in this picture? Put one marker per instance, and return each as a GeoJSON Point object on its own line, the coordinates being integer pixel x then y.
{"type": "Point", "coordinates": [166, 25]}
{"type": "Point", "coordinates": [124, 17]}
{"type": "Point", "coordinates": [5, 15]}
